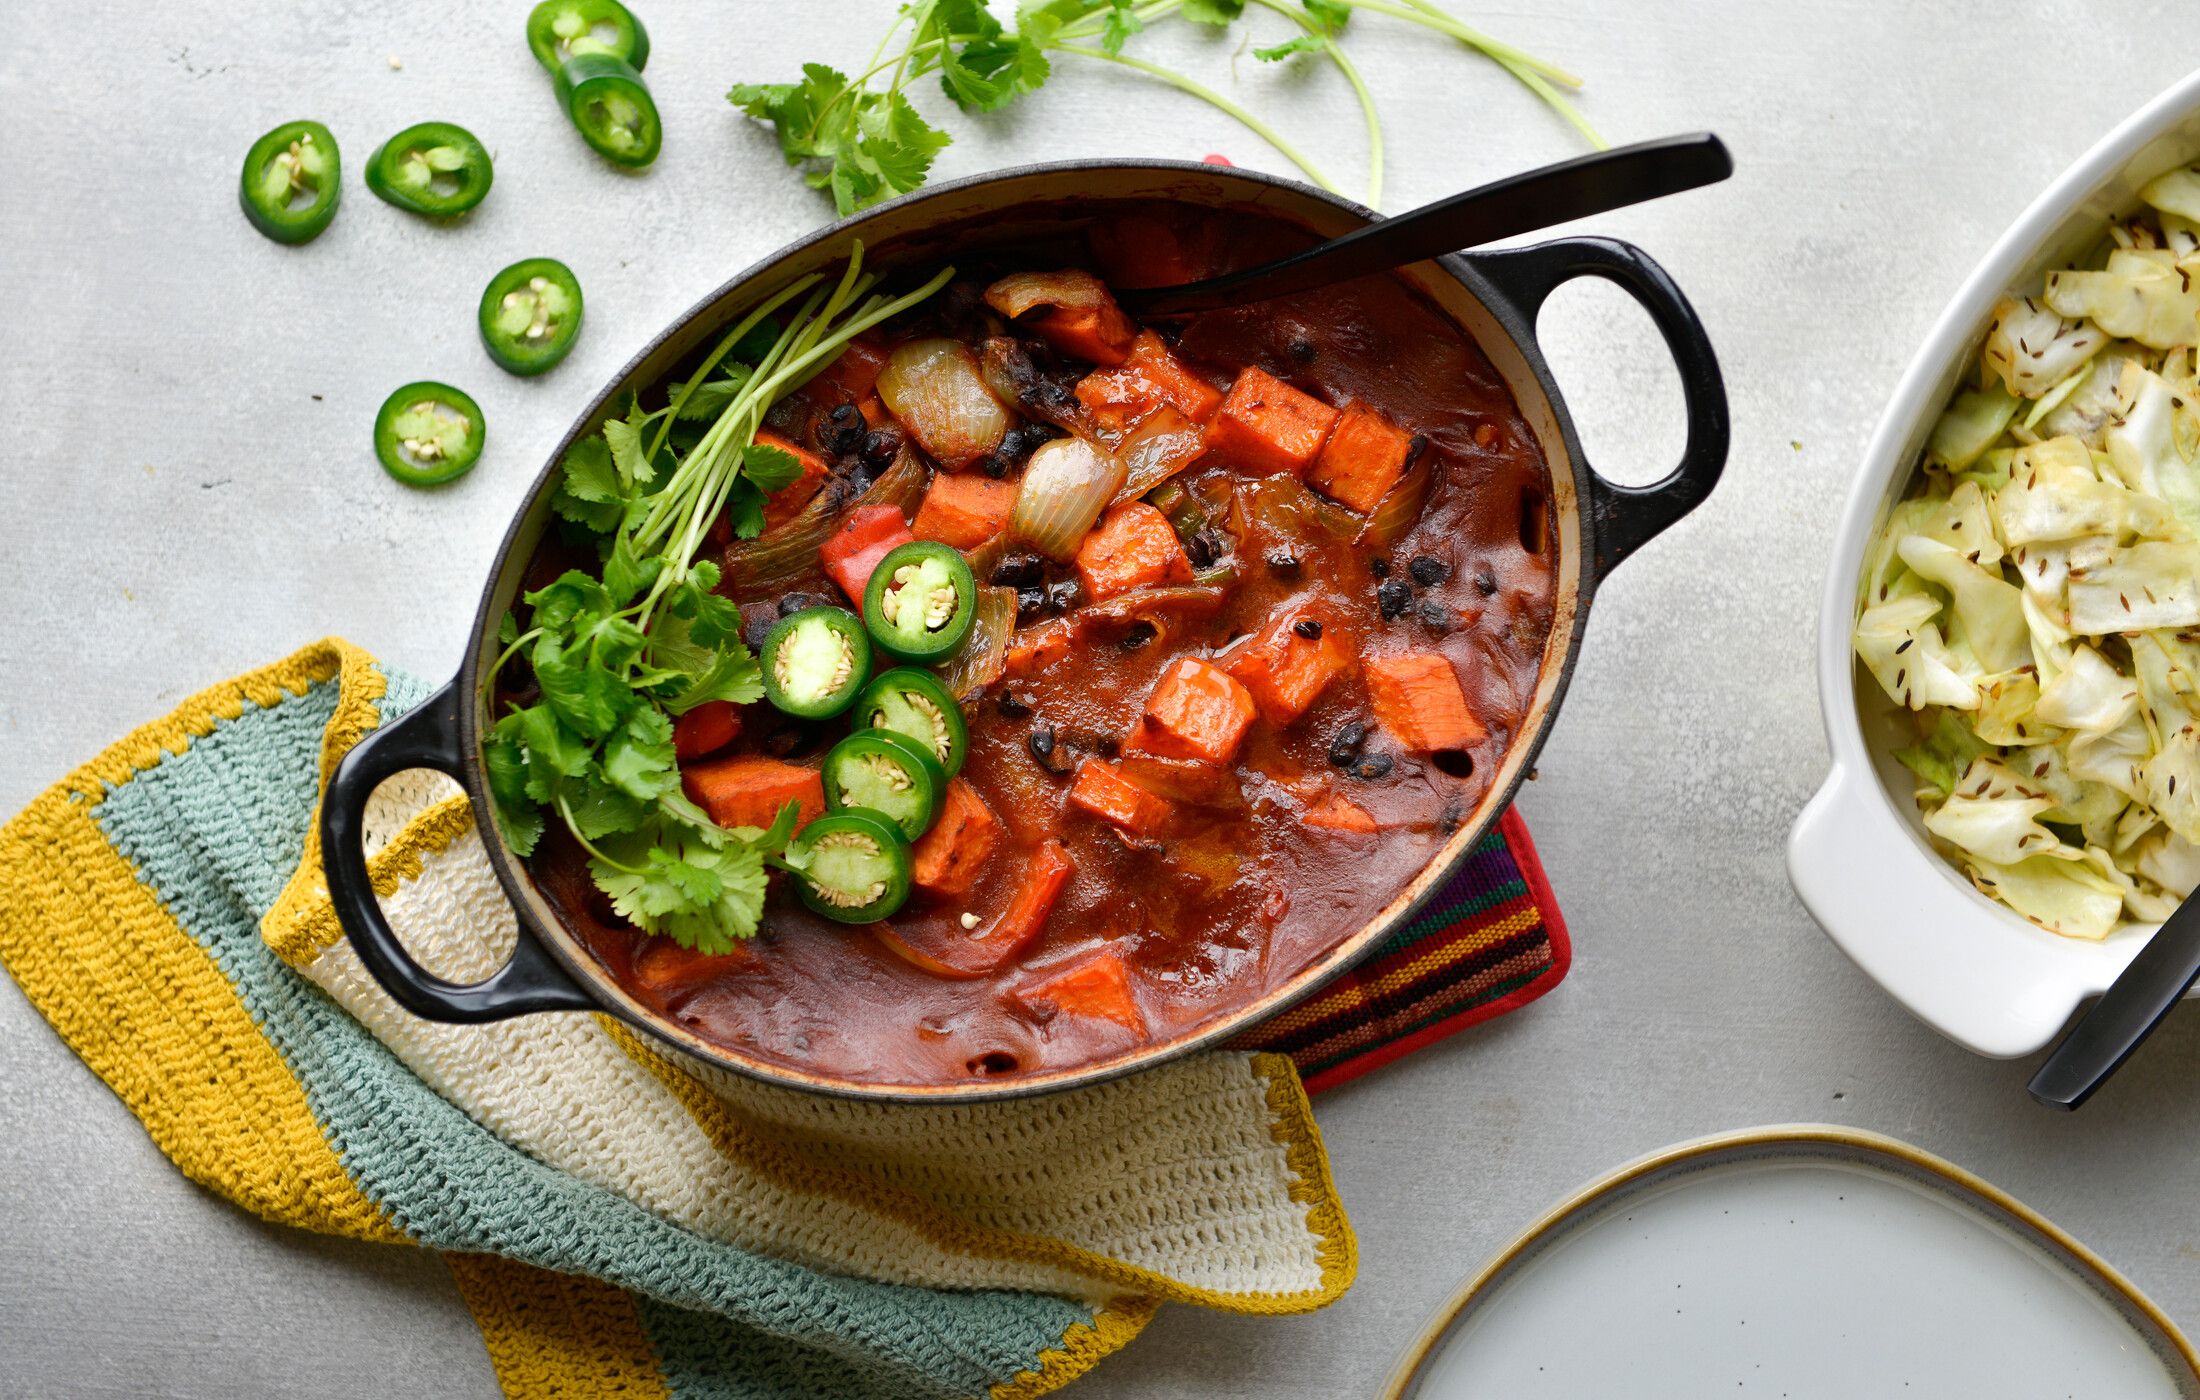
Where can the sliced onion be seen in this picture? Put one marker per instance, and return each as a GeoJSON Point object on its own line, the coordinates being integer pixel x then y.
{"type": "Point", "coordinates": [1018, 292]}
{"type": "Point", "coordinates": [1162, 445]}
{"type": "Point", "coordinates": [1401, 505]}
{"type": "Point", "coordinates": [987, 557]}
{"type": "Point", "coordinates": [934, 388]}
{"type": "Point", "coordinates": [1006, 367]}
{"type": "Point", "coordinates": [788, 553]}
{"type": "Point", "coordinates": [983, 657]}
{"type": "Point", "coordinates": [1066, 486]}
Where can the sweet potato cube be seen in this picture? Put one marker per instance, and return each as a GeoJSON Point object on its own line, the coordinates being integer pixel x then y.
{"type": "Point", "coordinates": [1337, 813]}
{"type": "Point", "coordinates": [1033, 903]}
{"type": "Point", "coordinates": [1098, 986]}
{"type": "Point", "coordinates": [1101, 334]}
{"type": "Point", "coordinates": [665, 967]}
{"type": "Point", "coordinates": [785, 503]}
{"type": "Point", "coordinates": [705, 729]}
{"type": "Point", "coordinates": [1418, 699]}
{"type": "Point", "coordinates": [1265, 425]}
{"type": "Point", "coordinates": [1287, 671]}
{"type": "Point", "coordinates": [1134, 546]}
{"type": "Point", "coordinates": [848, 379]}
{"type": "Point", "coordinates": [1196, 712]}
{"type": "Point", "coordinates": [964, 510]}
{"type": "Point", "coordinates": [1150, 378]}
{"type": "Point", "coordinates": [749, 790]}
{"type": "Point", "coordinates": [851, 552]}
{"type": "Point", "coordinates": [1364, 457]}
{"type": "Point", "coordinates": [947, 859]}
{"type": "Point", "coordinates": [1102, 790]}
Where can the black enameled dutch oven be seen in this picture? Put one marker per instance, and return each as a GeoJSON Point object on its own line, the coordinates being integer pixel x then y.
{"type": "Point", "coordinates": [1493, 296]}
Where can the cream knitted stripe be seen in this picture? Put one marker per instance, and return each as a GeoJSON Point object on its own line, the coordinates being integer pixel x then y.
{"type": "Point", "coordinates": [1179, 1172]}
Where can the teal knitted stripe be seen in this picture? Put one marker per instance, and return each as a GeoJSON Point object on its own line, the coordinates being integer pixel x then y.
{"type": "Point", "coordinates": [216, 830]}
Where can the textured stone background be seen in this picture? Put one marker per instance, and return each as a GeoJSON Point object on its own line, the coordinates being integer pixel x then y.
{"type": "Point", "coordinates": [191, 494]}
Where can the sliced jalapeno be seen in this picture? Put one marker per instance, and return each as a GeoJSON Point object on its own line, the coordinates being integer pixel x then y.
{"type": "Point", "coordinates": [611, 108]}
{"type": "Point", "coordinates": [913, 702]}
{"type": "Point", "coordinates": [815, 662]}
{"type": "Point", "coordinates": [292, 178]}
{"type": "Point", "coordinates": [561, 29]}
{"type": "Point", "coordinates": [886, 772]}
{"type": "Point", "coordinates": [852, 865]}
{"type": "Point", "coordinates": [531, 315]}
{"type": "Point", "coordinates": [429, 433]}
{"type": "Point", "coordinates": [919, 602]}
{"type": "Point", "coordinates": [434, 168]}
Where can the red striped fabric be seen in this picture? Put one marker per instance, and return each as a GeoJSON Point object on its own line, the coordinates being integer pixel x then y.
{"type": "Point", "coordinates": [1491, 940]}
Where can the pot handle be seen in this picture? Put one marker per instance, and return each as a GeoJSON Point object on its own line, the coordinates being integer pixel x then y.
{"type": "Point", "coordinates": [1623, 518]}
{"type": "Point", "coordinates": [426, 736]}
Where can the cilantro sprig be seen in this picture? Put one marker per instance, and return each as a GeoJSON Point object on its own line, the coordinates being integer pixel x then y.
{"type": "Point", "coordinates": [861, 138]}
{"type": "Point", "coordinates": [619, 654]}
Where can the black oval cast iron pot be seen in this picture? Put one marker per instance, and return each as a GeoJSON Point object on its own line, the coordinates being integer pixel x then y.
{"type": "Point", "coordinates": [1493, 296]}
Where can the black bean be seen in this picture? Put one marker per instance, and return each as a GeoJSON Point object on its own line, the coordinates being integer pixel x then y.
{"type": "Point", "coordinates": [755, 629]}
{"type": "Point", "coordinates": [1019, 570]}
{"type": "Point", "coordinates": [1308, 627]}
{"type": "Point", "coordinates": [1345, 746]}
{"type": "Point", "coordinates": [1013, 703]}
{"type": "Point", "coordinates": [1063, 596]}
{"type": "Point", "coordinates": [1300, 348]}
{"type": "Point", "coordinates": [1428, 570]}
{"type": "Point", "coordinates": [1202, 549]}
{"type": "Point", "coordinates": [1031, 603]}
{"type": "Point", "coordinates": [1485, 581]}
{"type": "Point", "coordinates": [1433, 614]}
{"type": "Point", "coordinates": [1375, 765]}
{"type": "Point", "coordinates": [792, 603]}
{"type": "Point", "coordinates": [881, 443]}
{"type": "Point", "coordinates": [1045, 751]}
{"type": "Point", "coordinates": [1050, 396]}
{"type": "Point", "coordinates": [994, 465]}
{"type": "Point", "coordinates": [845, 430]}
{"type": "Point", "coordinates": [1393, 598]}
{"type": "Point", "coordinates": [1379, 566]}
{"type": "Point", "coordinates": [1282, 560]}
{"type": "Point", "coordinates": [1139, 634]}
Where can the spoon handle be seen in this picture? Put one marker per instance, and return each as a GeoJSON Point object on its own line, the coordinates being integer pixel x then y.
{"type": "Point", "coordinates": [2126, 1014]}
{"type": "Point", "coordinates": [1535, 199]}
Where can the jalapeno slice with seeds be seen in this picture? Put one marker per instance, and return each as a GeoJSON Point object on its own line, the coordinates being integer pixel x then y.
{"type": "Point", "coordinates": [435, 168]}
{"type": "Point", "coordinates": [292, 179]}
{"type": "Point", "coordinates": [913, 702]}
{"type": "Point", "coordinates": [889, 773]}
{"type": "Point", "coordinates": [852, 865]}
{"type": "Point", "coordinates": [611, 108]}
{"type": "Point", "coordinates": [531, 315]}
{"type": "Point", "coordinates": [428, 433]}
{"type": "Point", "coordinates": [815, 662]}
{"type": "Point", "coordinates": [561, 29]}
{"type": "Point", "coordinates": [919, 602]}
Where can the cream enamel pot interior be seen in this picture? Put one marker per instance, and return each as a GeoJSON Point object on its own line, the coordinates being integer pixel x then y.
{"type": "Point", "coordinates": [1975, 971]}
{"type": "Point", "coordinates": [1494, 296]}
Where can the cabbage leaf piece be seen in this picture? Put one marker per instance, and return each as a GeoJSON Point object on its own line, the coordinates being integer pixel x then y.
{"type": "Point", "coordinates": [2031, 348]}
{"type": "Point", "coordinates": [1993, 817]}
{"type": "Point", "coordinates": [2055, 494]}
{"type": "Point", "coordinates": [2174, 192]}
{"type": "Point", "coordinates": [2148, 585]}
{"type": "Point", "coordinates": [2005, 712]}
{"type": "Point", "coordinates": [2141, 442]}
{"type": "Point", "coordinates": [2141, 295]}
{"type": "Point", "coordinates": [2168, 860]}
{"type": "Point", "coordinates": [1989, 611]}
{"type": "Point", "coordinates": [1973, 423]}
{"type": "Point", "coordinates": [2172, 778]}
{"type": "Point", "coordinates": [2089, 696]}
{"type": "Point", "coordinates": [1905, 652]}
{"type": "Point", "coordinates": [2066, 897]}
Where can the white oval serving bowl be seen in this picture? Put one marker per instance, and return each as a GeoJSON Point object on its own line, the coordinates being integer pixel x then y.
{"type": "Point", "coordinates": [1973, 970]}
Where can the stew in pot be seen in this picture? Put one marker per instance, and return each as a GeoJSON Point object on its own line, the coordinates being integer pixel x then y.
{"type": "Point", "coordinates": [1112, 672]}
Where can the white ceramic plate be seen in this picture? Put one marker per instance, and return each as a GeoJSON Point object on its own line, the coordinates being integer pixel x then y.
{"type": "Point", "coordinates": [1973, 970]}
{"type": "Point", "coordinates": [1809, 1262]}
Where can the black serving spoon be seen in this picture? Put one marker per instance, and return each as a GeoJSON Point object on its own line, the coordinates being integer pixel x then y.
{"type": "Point", "coordinates": [2126, 1014]}
{"type": "Point", "coordinates": [1555, 194]}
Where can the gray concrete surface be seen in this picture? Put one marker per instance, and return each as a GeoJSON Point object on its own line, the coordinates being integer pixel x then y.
{"type": "Point", "coordinates": [190, 493]}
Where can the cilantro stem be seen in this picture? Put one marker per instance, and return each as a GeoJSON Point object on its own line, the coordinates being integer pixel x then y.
{"type": "Point", "coordinates": [1216, 100]}
{"type": "Point", "coordinates": [1429, 16]}
{"type": "Point", "coordinates": [1352, 75]}
{"type": "Point", "coordinates": [566, 811]}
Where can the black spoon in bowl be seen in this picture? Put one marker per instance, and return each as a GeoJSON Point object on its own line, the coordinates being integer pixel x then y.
{"type": "Point", "coordinates": [2126, 1014]}
{"type": "Point", "coordinates": [1554, 194]}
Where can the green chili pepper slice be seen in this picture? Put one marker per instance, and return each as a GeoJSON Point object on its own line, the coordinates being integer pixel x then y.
{"type": "Point", "coordinates": [611, 108]}
{"type": "Point", "coordinates": [531, 315]}
{"type": "Point", "coordinates": [561, 29]}
{"type": "Point", "coordinates": [852, 865]}
{"type": "Point", "coordinates": [292, 180]}
{"type": "Point", "coordinates": [815, 662]}
{"type": "Point", "coordinates": [919, 602]}
{"type": "Point", "coordinates": [886, 772]}
{"type": "Point", "coordinates": [913, 702]}
{"type": "Point", "coordinates": [435, 168]}
{"type": "Point", "coordinates": [428, 433]}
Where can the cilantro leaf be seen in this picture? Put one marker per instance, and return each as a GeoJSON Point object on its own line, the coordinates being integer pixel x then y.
{"type": "Point", "coordinates": [638, 759]}
{"type": "Point", "coordinates": [580, 693]}
{"type": "Point", "coordinates": [505, 758]}
{"type": "Point", "coordinates": [745, 508]}
{"type": "Point", "coordinates": [711, 397]}
{"type": "Point", "coordinates": [1214, 12]}
{"type": "Point", "coordinates": [625, 441]}
{"type": "Point", "coordinates": [589, 490]}
{"type": "Point", "coordinates": [1305, 42]}
{"type": "Point", "coordinates": [1330, 14]}
{"type": "Point", "coordinates": [602, 810]}
{"type": "Point", "coordinates": [770, 468]}
{"type": "Point", "coordinates": [625, 575]}
{"type": "Point", "coordinates": [733, 676]}
{"type": "Point", "coordinates": [1121, 23]}
{"type": "Point", "coordinates": [554, 753]}
{"type": "Point", "coordinates": [573, 597]}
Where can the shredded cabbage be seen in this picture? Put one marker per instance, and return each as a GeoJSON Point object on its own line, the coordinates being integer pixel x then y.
{"type": "Point", "coordinates": [2034, 602]}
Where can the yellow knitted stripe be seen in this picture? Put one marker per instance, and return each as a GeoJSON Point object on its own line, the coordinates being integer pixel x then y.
{"type": "Point", "coordinates": [797, 1171]}
{"type": "Point", "coordinates": [1082, 1348]}
{"type": "Point", "coordinates": [314, 925]}
{"type": "Point", "coordinates": [146, 1007]}
{"type": "Point", "coordinates": [361, 685]}
{"type": "Point", "coordinates": [1358, 994]}
{"type": "Point", "coordinates": [554, 1336]}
